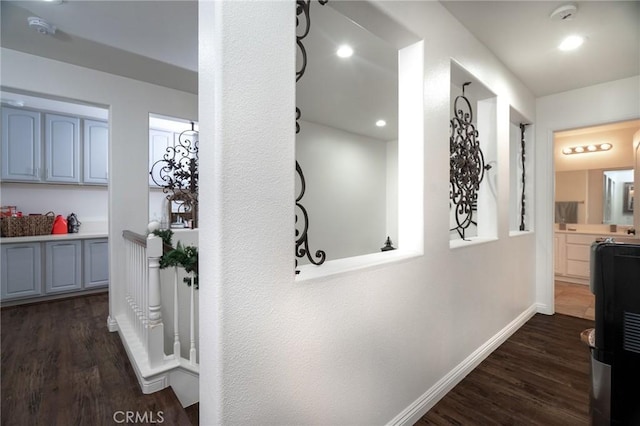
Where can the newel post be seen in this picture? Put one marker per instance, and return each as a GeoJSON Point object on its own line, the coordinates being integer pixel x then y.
{"type": "Point", "coordinates": [155, 342]}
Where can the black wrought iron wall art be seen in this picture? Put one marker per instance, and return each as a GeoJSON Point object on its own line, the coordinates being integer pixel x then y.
{"type": "Point", "coordinates": [524, 175]}
{"type": "Point", "coordinates": [466, 164]}
{"type": "Point", "coordinates": [177, 172]}
{"type": "Point", "coordinates": [302, 226]}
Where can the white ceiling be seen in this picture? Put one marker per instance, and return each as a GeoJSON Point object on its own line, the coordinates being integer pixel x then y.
{"type": "Point", "coordinates": [157, 41]}
{"type": "Point", "coordinates": [522, 35]}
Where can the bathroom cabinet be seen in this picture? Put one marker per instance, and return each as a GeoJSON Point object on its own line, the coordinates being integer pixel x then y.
{"type": "Point", "coordinates": [572, 253]}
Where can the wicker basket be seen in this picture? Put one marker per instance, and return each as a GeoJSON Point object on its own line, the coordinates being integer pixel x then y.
{"type": "Point", "coordinates": [26, 226]}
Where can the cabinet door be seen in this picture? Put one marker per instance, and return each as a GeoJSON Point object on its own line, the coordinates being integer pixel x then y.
{"type": "Point", "coordinates": [62, 148]}
{"type": "Point", "coordinates": [96, 151]}
{"type": "Point", "coordinates": [21, 270]}
{"type": "Point", "coordinates": [159, 141]}
{"type": "Point", "coordinates": [96, 263]}
{"type": "Point", "coordinates": [62, 266]}
{"type": "Point", "coordinates": [21, 145]}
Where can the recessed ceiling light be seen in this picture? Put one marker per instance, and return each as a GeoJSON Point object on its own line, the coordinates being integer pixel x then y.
{"type": "Point", "coordinates": [344, 51]}
{"type": "Point", "coordinates": [381, 123]}
{"type": "Point", "coordinates": [570, 43]}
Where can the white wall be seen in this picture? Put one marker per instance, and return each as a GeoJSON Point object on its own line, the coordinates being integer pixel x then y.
{"type": "Point", "coordinates": [603, 103]}
{"type": "Point", "coordinates": [129, 102]}
{"type": "Point", "coordinates": [88, 202]}
{"type": "Point", "coordinates": [369, 346]}
{"type": "Point", "coordinates": [345, 197]}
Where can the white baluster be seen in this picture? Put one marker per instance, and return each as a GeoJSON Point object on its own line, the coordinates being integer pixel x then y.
{"type": "Point", "coordinates": [176, 322]}
{"type": "Point", "coordinates": [192, 324]}
{"type": "Point", "coordinates": [155, 326]}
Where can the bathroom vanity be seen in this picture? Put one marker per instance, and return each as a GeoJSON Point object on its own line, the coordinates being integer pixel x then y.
{"type": "Point", "coordinates": [572, 253]}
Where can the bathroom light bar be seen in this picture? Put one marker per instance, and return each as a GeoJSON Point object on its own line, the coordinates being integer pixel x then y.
{"type": "Point", "coordinates": [587, 148]}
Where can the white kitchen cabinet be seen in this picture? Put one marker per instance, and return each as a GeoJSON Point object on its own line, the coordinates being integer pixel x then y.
{"type": "Point", "coordinates": [159, 141]}
{"type": "Point", "coordinates": [96, 263]}
{"type": "Point", "coordinates": [62, 148]}
{"type": "Point", "coordinates": [21, 145]}
{"type": "Point", "coordinates": [63, 264]}
{"type": "Point", "coordinates": [21, 270]}
{"type": "Point", "coordinates": [96, 152]}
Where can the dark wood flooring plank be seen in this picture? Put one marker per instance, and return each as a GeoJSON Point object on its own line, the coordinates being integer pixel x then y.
{"type": "Point", "coordinates": [539, 376]}
{"type": "Point", "coordinates": [61, 366]}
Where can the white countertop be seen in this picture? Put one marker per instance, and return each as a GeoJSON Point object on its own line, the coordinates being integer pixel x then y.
{"type": "Point", "coordinates": [603, 234]}
{"type": "Point", "coordinates": [87, 230]}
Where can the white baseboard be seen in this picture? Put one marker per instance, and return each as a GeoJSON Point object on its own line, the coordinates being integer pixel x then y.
{"type": "Point", "coordinates": [543, 308]}
{"type": "Point", "coordinates": [419, 407]}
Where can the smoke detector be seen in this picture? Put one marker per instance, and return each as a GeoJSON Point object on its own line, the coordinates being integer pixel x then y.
{"type": "Point", "coordinates": [565, 12]}
{"type": "Point", "coordinates": [41, 26]}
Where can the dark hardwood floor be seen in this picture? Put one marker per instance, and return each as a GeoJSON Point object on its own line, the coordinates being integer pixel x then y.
{"type": "Point", "coordinates": [61, 366]}
{"type": "Point", "coordinates": [539, 376]}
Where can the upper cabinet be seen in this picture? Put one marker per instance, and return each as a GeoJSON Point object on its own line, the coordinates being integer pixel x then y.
{"type": "Point", "coordinates": [21, 145]}
{"type": "Point", "coordinates": [159, 141]}
{"type": "Point", "coordinates": [62, 148]}
{"type": "Point", "coordinates": [96, 151]}
{"type": "Point", "coordinates": [53, 148]}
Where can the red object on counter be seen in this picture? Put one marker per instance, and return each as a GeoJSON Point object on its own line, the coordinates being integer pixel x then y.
{"type": "Point", "coordinates": [59, 225]}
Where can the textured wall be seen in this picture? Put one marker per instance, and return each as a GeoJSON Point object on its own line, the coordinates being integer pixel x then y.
{"type": "Point", "coordinates": [356, 347]}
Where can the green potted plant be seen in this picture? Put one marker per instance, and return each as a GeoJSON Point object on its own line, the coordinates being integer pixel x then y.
{"type": "Point", "coordinates": [182, 256]}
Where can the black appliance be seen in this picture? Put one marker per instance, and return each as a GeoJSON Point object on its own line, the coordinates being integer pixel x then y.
{"type": "Point", "coordinates": [615, 350]}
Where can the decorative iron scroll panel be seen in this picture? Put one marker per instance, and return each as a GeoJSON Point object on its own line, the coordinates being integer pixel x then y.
{"type": "Point", "coordinates": [522, 158]}
{"type": "Point", "coordinates": [303, 24]}
{"type": "Point", "coordinates": [177, 172]}
{"type": "Point", "coordinates": [466, 164]}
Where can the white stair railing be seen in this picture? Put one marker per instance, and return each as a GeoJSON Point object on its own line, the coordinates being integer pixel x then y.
{"type": "Point", "coordinates": [141, 326]}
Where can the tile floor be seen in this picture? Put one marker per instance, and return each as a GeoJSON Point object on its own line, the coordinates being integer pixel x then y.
{"type": "Point", "coordinates": [575, 300]}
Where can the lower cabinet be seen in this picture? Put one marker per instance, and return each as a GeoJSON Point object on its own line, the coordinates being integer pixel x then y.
{"type": "Point", "coordinates": [96, 263]}
{"type": "Point", "coordinates": [21, 270]}
{"type": "Point", "coordinates": [63, 266]}
{"type": "Point", "coordinates": [46, 268]}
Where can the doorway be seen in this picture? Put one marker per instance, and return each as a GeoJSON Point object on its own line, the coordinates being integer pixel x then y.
{"type": "Point", "coordinates": [593, 166]}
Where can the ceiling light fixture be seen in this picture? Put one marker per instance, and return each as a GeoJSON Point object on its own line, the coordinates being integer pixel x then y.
{"type": "Point", "coordinates": [587, 148]}
{"type": "Point", "coordinates": [344, 51]}
{"type": "Point", "coordinates": [381, 123]}
{"type": "Point", "coordinates": [571, 43]}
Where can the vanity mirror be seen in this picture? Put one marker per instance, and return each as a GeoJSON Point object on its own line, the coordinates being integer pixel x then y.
{"type": "Point", "coordinates": [595, 186]}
